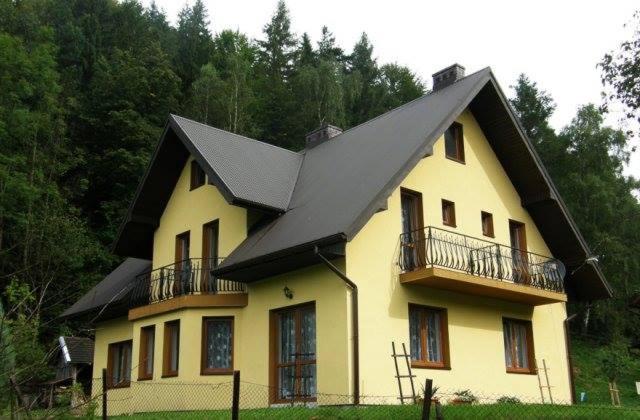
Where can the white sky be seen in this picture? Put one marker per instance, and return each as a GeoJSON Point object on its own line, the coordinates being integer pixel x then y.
{"type": "Point", "coordinates": [556, 43]}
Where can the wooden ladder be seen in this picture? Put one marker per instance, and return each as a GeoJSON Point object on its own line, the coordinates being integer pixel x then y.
{"type": "Point", "coordinates": [545, 369]}
{"type": "Point", "coordinates": [400, 377]}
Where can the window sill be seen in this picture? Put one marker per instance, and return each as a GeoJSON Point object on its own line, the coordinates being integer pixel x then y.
{"type": "Point", "coordinates": [169, 375]}
{"type": "Point", "coordinates": [449, 224]}
{"type": "Point", "coordinates": [418, 365]}
{"type": "Point", "coordinates": [145, 378]}
{"type": "Point", "coordinates": [521, 371]}
{"type": "Point", "coordinates": [489, 236]}
{"type": "Point", "coordinates": [121, 385]}
{"type": "Point", "coordinates": [216, 372]}
{"type": "Point", "coordinates": [460, 161]}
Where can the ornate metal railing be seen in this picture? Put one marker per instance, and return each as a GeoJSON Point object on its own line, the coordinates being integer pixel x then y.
{"type": "Point", "coordinates": [435, 247]}
{"type": "Point", "coordinates": [188, 277]}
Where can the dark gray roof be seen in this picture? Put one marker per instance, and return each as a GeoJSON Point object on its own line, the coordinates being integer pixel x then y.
{"type": "Point", "coordinates": [112, 290]}
{"type": "Point", "coordinates": [343, 181]}
{"type": "Point", "coordinates": [80, 349]}
{"type": "Point", "coordinates": [268, 173]}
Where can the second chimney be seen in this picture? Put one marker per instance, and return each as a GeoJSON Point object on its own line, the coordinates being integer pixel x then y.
{"type": "Point", "coordinates": [447, 76]}
{"type": "Point", "coordinates": [322, 134]}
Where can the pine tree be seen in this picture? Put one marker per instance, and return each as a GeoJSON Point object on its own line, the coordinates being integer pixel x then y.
{"type": "Point", "coordinates": [327, 48]}
{"type": "Point", "coordinates": [194, 43]}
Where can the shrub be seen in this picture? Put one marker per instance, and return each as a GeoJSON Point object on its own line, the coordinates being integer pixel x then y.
{"type": "Point", "coordinates": [465, 395]}
{"type": "Point", "coordinates": [505, 399]}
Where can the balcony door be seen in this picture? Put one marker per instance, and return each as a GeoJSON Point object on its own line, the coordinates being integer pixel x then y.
{"type": "Point", "coordinates": [293, 354]}
{"type": "Point", "coordinates": [412, 242]}
{"type": "Point", "coordinates": [209, 255]}
{"type": "Point", "coordinates": [182, 270]}
{"type": "Point", "coordinates": [519, 258]}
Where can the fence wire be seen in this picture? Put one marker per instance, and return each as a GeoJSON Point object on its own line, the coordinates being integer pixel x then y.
{"type": "Point", "coordinates": [168, 399]}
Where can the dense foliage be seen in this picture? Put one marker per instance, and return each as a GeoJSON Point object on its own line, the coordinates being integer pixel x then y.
{"type": "Point", "coordinates": [86, 88]}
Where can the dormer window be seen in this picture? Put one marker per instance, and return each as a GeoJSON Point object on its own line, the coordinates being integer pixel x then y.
{"type": "Point", "coordinates": [454, 143]}
{"type": "Point", "coordinates": [198, 177]}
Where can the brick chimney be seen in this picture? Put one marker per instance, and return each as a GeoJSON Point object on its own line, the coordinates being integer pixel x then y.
{"type": "Point", "coordinates": [322, 134]}
{"type": "Point", "coordinates": [447, 76]}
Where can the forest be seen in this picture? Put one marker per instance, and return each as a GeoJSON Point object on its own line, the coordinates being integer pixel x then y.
{"type": "Point", "coordinates": [85, 91]}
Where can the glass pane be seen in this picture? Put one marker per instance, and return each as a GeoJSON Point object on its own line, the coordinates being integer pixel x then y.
{"type": "Point", "coordinates": [219, 345]}
{"type": "Point", "coordinates": [115, 365]}
{"type": "Point", "coordinates": [415, 347]}
{"type": "Point", "coordinates": [507, 344]}
{"type": "Point", "coordinates": [126, 373]}
{"type": "Point", "coordinates": [173, 365]}
{"type": "Point", "coordinates": [450, 144]}
{"type": "Point", "coordinates": [308, 335]}
{"type": "Point", "coordinates": [287, 342]}
{"type": "Point", "coordinates": [521, 345]}
{"type": "Point", "coordinates": [434, 352]}
{"type": "Point", "coordinates": [150, 336]}
{"type": "Point", "coordinates": [308, 381]}
{"type": "Point", "coordinates": [286, 379]}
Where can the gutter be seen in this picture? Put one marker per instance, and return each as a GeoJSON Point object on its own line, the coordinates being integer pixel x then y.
{"type": "Point", "coordinates": [567, 340]}
{"type": "Point", "coordinates": [354, 323]}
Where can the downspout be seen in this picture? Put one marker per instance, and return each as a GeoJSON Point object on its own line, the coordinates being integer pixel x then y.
{"type": "Point", "coordinates": [354, 323]}
{"type": "Point", "coordinates": [567, 340]}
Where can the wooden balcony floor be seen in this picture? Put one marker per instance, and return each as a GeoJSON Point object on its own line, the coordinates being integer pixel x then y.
{"type": "Point", "coordinates": [445, 279]}
{"type": "Point", "coordinates": [218, 300]}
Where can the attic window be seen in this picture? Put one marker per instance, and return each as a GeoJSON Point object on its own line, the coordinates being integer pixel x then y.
{"type": "Point", "coordinates": [198, 177]}
{"type": "Point", "coordinates": [448, 213]}
{"type": "Point", "coordinates": [487, 224]}
{"type": "Point", "coordinates": [454, 143]}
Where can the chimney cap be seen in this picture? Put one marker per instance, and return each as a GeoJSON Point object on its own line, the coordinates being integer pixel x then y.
{"type": "Point", "coordinates": [447, 76]}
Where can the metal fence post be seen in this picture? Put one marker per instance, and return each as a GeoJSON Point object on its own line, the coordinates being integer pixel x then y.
{"type": "Point", "coordinates": [104, 394]}
{"type": "Point", "coordinates": [235, 407]}
{"type": "Point", "coordinates": [426, 403]}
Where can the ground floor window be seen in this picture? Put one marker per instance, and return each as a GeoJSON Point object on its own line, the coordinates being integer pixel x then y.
{"type": "Point", "coordinates": [428, 337]}
{"type": "Point", "coordinates": [147, 344]}
{"type": "Point", "coordinates": [518, 346]}
{"type": "Point", "coordinates": [293, 353]}
{"type": "Point", "coordinates": [217, 346]}
{"type": "Point", "coordinates": [171, 350]}
{"type": "Point", "coordinates": [119, 364]}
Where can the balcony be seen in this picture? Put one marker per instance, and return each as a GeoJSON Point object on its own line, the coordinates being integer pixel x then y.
{"type": "Point", "coordinates": [447, 260]}
{"type": "Point", "coordinates": [188, 283]}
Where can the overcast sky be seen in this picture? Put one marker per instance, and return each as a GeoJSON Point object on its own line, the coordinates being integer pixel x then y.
{"type": "Point", "coordinates": [556, 43]}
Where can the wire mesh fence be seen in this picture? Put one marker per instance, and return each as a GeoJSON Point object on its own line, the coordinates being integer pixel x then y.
{"type": "Point", "coordinates": [169, 399]}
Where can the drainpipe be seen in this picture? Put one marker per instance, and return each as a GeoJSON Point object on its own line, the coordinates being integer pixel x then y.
{"type": "Point", "coordinates": [354, 323]}
{"type": "Point", "coordinates": [567, 340]}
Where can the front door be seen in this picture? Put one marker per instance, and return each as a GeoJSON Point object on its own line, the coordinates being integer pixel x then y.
{"type": "Point", "coordinates": [520, 262]}
{"type": "Point", "coordinates": [294, 354]}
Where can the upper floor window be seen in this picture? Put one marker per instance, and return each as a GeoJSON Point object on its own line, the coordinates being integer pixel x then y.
{"type": "Point", "coordinates": [198, 177]}
{"type": "Point", "coordinates": [454, 143]}
{"type": "Point", "coordinates": [428, 337]}
{"type": "Point", "coordinates": [487, 223]}
{"type": "Point", "coordinates": [147, 343]}
{"type": "Point", "coordinates": [217, 346]}
{"type": "Point", "coordinates": [119, 364]}
{"type": "Point", "coordinates": [448, 213]}
{"type": "Point", "coordinates": [183, 248]}
{"type": "Point", "coordinates": [171, 351]}
{"type": "Point", "coordinates": [518, 346]}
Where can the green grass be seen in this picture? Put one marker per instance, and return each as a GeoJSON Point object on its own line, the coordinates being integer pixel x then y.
{"type": "Point", "coordinates": [492, 411]}
{"type": "Point", "coordinates": [589, 378]}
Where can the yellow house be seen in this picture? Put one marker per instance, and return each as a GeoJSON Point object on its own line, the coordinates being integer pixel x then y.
{"type": "Point", "coordinates": [434, 227]}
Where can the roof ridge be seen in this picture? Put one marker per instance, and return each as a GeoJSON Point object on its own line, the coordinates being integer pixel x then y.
{"type": "Point", "coordinates": [407, 104]}
{"type": "Point", "coordinates": [238, 135]}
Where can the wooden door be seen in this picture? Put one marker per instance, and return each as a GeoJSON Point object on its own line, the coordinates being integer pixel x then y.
{"type": "Point", "coordinates": [520, 261]}
{"type": "Point", "coordinates": [413, 239]}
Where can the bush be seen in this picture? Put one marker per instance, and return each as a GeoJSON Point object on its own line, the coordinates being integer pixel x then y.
{"type": "Point", "coordinates": [505, 399]}
{"type": "Point", "coordinates": [465, 395]}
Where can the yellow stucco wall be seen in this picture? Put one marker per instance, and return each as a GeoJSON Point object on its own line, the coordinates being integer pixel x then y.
{"type": "Point", "coordinates": [475, 324]}
{"type": "Point", "coordinates": [189, 211]}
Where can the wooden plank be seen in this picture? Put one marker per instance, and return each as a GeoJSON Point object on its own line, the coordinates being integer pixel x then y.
{"type": "Point", "coordinates": [229, 300]}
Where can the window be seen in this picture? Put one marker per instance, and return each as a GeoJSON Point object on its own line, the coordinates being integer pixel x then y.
{"type": "Point", "coordinates": [198, 177]}
{"type": "Point", "coordinates": [217, 346]}
{"type": "Point", "coordinates": [183, 248]}
{"type": "Point", "coordinates": [209, 255]}
{"type": "Point", "coordinates": [293, 354]}
{"type": "Point", "coordinates": [147, 344]}
{"type": "Point", "coordinates": [413, 253]}
{"type": "Point", "coordinates": [428, 337]}
{"type": "Point", "coordinates": [448, 213]}
{"type": "Point", "coordinates": [171, 353]}
{"type": "Point", "coordinates": [519, 257]}
{"type": "Point", "coordinates": [454, 143]}
{"type": "Point", "coordinates": [518, 346]}
{"type": "Point", "coordinates": [487, 223]}
{"type": "Point", "coordinates": [119, 364]}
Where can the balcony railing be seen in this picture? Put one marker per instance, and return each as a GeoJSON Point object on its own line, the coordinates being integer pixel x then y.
{"type": "Point", "coordinates": [434, 247]}
{"type": "Point", "coordinates": [188, 277]}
